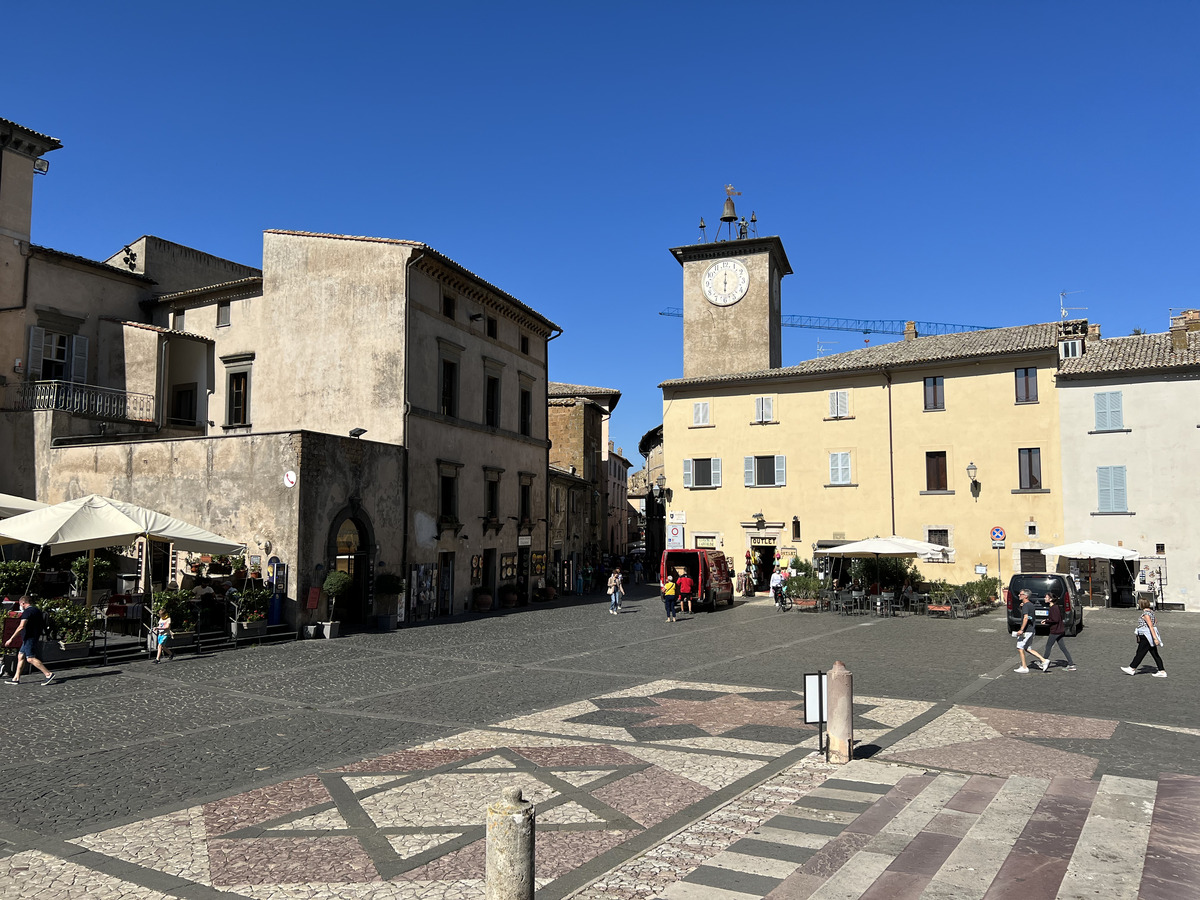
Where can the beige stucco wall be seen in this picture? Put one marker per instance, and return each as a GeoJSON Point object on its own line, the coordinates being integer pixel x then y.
{"type": "Point", "coordinates": [1160, 452]}
{"type": "Point", "coordinates": [234, 487]}
{"type": "Point", "coordinates": [743, 337]}
{"type": "Point", "coordinates": [982, 423]}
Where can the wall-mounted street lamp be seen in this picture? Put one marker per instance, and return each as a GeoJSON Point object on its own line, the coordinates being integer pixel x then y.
{"type": "Point", "coordinates": [972, 471]}
{"type": "Point", "coordinates": [760, 521]}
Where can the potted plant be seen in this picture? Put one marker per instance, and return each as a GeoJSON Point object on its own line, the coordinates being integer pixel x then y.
{"type": "Point", "coordinates": [508, 595]}
{"type": "Point", "coordinates": [250, 612]}
{"type": "Point", "coordinates": [220, 565]}
{"type": "Point", "coordinates": [336, 585]}
{"type": "Point", "coordinates": [547, 591]}
{"type": "Point", "coordinates": [71, 626]}
{"type": "Point", "coordinates": [15, 577]}
{"type": "Point", "coordinates": [481, 597]}
{"type": "Point", "coordinates": [388, 587]}
{"type": "Point", "coordinates": [103, 570]}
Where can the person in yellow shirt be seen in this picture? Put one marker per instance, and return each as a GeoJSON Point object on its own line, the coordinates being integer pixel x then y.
{"type": "Point", "coordinates": [669, 592]}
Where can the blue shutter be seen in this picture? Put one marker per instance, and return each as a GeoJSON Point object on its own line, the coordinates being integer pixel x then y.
{"type": "Point", "coordinates": [687, 473]}
{"type": "Point", "coordinates": [781, 470]}
{"type": "Point", "coordinates": [716, 471]}
{"type": "Point", "coordinates": [79, 356]}
{"type": "Point", "coordinates": [1104, 488]}
{"type": "Point", "coordinates": [37, 349]}
{"type": "Point", "coordinates": [833, 468]}
{"type": "Point", "coordinates": [1101, 411]}
{"type": "Point", "coordinates": [749, 471]}
{"type": "Point", "coordinates": [1119, 503]}
{"type": "Point", "coordinates": [1116, 412]}
{"type": "Point", "coordinates": [758, 409]}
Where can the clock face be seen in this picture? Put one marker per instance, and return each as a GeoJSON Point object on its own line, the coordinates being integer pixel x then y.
{"type": "Point", "coordinates": [725, 282]}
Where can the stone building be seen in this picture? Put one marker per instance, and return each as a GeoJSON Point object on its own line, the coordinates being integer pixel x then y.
{"type": "Point", "coordinates": [574, 426]}
{"type": "Point", "coordinates": [570, 504]}
{"type": "Point", "coordinates": [616, 471]}
{"type": "Point", "coordinates": [1130, 414]}
{"type": "Point", "coordinates": [239, 399]}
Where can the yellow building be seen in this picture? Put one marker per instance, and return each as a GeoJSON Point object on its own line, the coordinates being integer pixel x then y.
{"type": "Point", "coordinates": [877, 441]}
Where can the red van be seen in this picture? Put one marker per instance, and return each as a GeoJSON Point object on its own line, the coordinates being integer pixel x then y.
{"type": "Point", "coordinates": [709, 570]}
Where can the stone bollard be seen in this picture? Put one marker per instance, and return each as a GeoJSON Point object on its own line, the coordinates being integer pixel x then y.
{"type": "Point", "coordinates": [841, 714]}
{"type": "Point", "coordinates": [510, 845]}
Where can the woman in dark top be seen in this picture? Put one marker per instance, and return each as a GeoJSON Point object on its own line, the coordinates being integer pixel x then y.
{"type": "Point", "coordinates": [1058, 631]}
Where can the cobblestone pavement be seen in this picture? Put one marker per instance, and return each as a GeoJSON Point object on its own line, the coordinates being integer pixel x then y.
{"type": "Point", "coordinates": [665, 761]}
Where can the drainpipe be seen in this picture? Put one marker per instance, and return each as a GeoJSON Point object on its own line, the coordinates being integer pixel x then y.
{"type": "Point", "coordinates": [28, 254]}
{"type": "Point", "coordinates": [404, 572]}
{"type": "Point", "coordinates": [891, 449]}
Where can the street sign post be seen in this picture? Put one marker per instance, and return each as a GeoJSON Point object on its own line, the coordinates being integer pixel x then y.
{"type": "Point", "coordinates": [998, 537]}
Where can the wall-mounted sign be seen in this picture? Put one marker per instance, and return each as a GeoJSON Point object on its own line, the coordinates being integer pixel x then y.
{"type": "Point", "coordinates": [674, 537]}
{"type": "Point", "coordinates": [524, 540]}
{"type": "Point", "coordinates": [677, 516]}
{"type": "Point", "coordinates": [981, 570]}
{"type": "Point", "coordinates": [708, 542]}
{"type": "Point", "coordinates": [289, 478]}
{"type": "Point", "coordinates": [756, 541]}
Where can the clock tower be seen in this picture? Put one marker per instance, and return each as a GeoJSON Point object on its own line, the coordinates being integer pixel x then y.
{"type": "Point", "coordinates": [731, 299]}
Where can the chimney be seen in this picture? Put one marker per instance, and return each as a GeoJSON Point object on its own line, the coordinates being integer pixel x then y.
{"type": "Point", "coordinates": [910, 331]}
{"type": "Point", "coordinates": [1094, 332]}
{"type": "Point", "coordinates": [1191, 319]}
{"type": "Point", "coordinates": [1179, 338]}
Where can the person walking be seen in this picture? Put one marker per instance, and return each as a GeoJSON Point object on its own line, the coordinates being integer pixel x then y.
{"type": "Point", "coordinates": [686, 589]}
{"type": "Point", "coordinates": [669, 593]}
{"type": "Point", "coordinates": [1058, 631]}
{"type": "Point", "coordinates": [615, 590]}
{"type": "Point", "coordinates": [1149, 639]}
{"type": "Point", "coordinates": [30, 629]}
{"type": "Point", "coordinates": [777, 585]}
{"type": "Point", "coordinates": [162, 632]}
{"type": "Point", "coordinates": [637, 571]}
{"type": "Point", "coordinates": [1025, 633]}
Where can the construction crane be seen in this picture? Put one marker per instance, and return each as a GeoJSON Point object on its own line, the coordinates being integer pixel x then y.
{"type": "Point", "coordinates": [865, 326]}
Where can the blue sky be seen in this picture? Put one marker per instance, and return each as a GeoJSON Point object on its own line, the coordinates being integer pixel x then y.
{"type": "Point", "coordinates": [943, 161]}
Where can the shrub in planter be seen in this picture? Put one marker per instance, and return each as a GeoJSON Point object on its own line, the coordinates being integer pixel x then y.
{"type": "Point", "coordinates": [336, 585]}
{"type": "Point", "coordinates": [803, 587]}
{"type": "Point", "coordinates": [179, 606]}
{"type": "Point", "coordinates": [388, 587]}
{"type": "Point", "coordinates": [252, 605]}
{"type": "Point", "coordinates": [508, 595]}
{"type": "Point", "coordinates": [104, 567]}
{"type": "Point", "coordinates": [70, 624]}
{"type": "Point", "coordinates": [482, 599]}
{"type": "Point", "coordinates": [14, 578]}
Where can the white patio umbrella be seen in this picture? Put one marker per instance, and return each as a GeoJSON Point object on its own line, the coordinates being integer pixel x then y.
{"type": "Point", "coordinates": [889, 546]}
{"type": "Point", "coordinates": [15, 506]}
{"type": "Point", "coordinates": [1092, 550]}
{"type": "Point", "coordinates": [94, 521]}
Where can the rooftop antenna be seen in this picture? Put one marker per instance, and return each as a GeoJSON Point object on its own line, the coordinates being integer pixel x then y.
{"type": "Point", "coordinates": [823, 347]}
{"type": "Point", "coordinates": [1063, 309]}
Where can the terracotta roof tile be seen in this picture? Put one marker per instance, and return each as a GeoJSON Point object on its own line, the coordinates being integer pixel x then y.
{"type": "Point", "coordinates": [562, 389]}
{"type": "Point", "coordinates": [158, 328]}
{"type": "Point", "coordinates": [1135, 353]}
{"type": "Point", "coordinates": [917, 352]}
{"type": "Point", "coordinates": [251, 281]}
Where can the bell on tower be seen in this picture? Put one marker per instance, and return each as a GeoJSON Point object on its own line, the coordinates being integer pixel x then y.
{"type": "Point", "coordinates": [728, 213]}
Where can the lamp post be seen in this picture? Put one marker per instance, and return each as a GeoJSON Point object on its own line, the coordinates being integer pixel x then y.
{"type": "Point", "coordinates": [658, 526]}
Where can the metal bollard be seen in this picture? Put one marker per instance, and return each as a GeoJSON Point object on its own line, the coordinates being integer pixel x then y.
{"type": "Point", "coordinates": [841, 714]}
{"type": "Point", "coordinates": [510, 844]}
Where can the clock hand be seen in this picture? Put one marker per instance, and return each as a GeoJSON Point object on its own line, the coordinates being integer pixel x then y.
{"type": "Point", "coordinates": [725, 282]}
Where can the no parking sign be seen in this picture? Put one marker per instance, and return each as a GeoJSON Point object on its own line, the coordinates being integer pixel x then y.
{"type": "Point", "coordinates": [674, 537]}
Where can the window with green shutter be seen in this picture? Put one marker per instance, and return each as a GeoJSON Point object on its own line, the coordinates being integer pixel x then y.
{"type": "Point", "coordinates": [1110, 483]}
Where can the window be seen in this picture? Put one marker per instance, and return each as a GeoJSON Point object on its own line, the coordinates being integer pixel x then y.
{"type": "Point", "coordinates": [766, 471]}
{"type": "Point", "coordinates": [935, 471]}
{"type": "Point", "coordinates": [239, 399]}
{"type": "Point", "coordinates": [1033, 561]}
{"type": "Point", "coordinates": [700, 413]}
{"type": "Point", "coordinates": [491, 402]}
{"type": "Point", "coordinates": [491, 499]}
{"type": "Point", "coordinates": [1070, 349]}
{"type": "Point", "coordinates": [1110, 483]}
{"type": "Point", "coordinates": [795, 528]}
{"type": "Point", "coordinates": [526, 499]}
{"type": "Point", "coordinates": [839, 404]}
{"type": "Point", "coordinates": [526, 412]}
{"type": "Point", "coordinates": [448, 390]}
{"type": "Point", "coordinates": [935, 392]}
{"type": "Point", "coordinates": [1029, 462]}
{"type": "Point", "coordinates": [448, 305]}
{"type": "Point", "coordinates": [448, 497]}
{"type": "Point", "coordinates": [699, 473]}
{"type": "Point", "coordinates": [180, 318]}
{"type": "Point", "coordinates": [57, 356]}
{"type": "Point", "coordinates": [939, 536]}
{"type": "Point", "coordinates": [1110, 413]}
{"type": "Point", "coordinates": [1027, 385]}
{"type": "Point", "coordinates": [223, 313]}
{"type": "Point", "coordinates": [525, 344]}
{"type": "Point", "coordinates": [839, 468]}
{"type": "Point", "coordinates": [764, 409]}
{"type": "Point", "coordinates": [491, 326]}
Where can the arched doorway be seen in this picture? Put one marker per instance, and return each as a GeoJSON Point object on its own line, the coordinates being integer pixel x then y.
{"type": "Point", "coordinates": [349, 551]}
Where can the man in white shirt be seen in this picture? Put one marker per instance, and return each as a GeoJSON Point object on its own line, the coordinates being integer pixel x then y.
{"type": "Point", "coordinates": [776, 584]}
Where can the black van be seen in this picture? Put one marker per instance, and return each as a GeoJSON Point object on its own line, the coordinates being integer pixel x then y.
{"type": "Point", "coordinates": [1061, 587]}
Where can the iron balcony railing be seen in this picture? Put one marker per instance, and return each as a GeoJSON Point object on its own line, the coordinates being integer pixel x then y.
{"type": "Point", "coordinates": [80, 399]}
